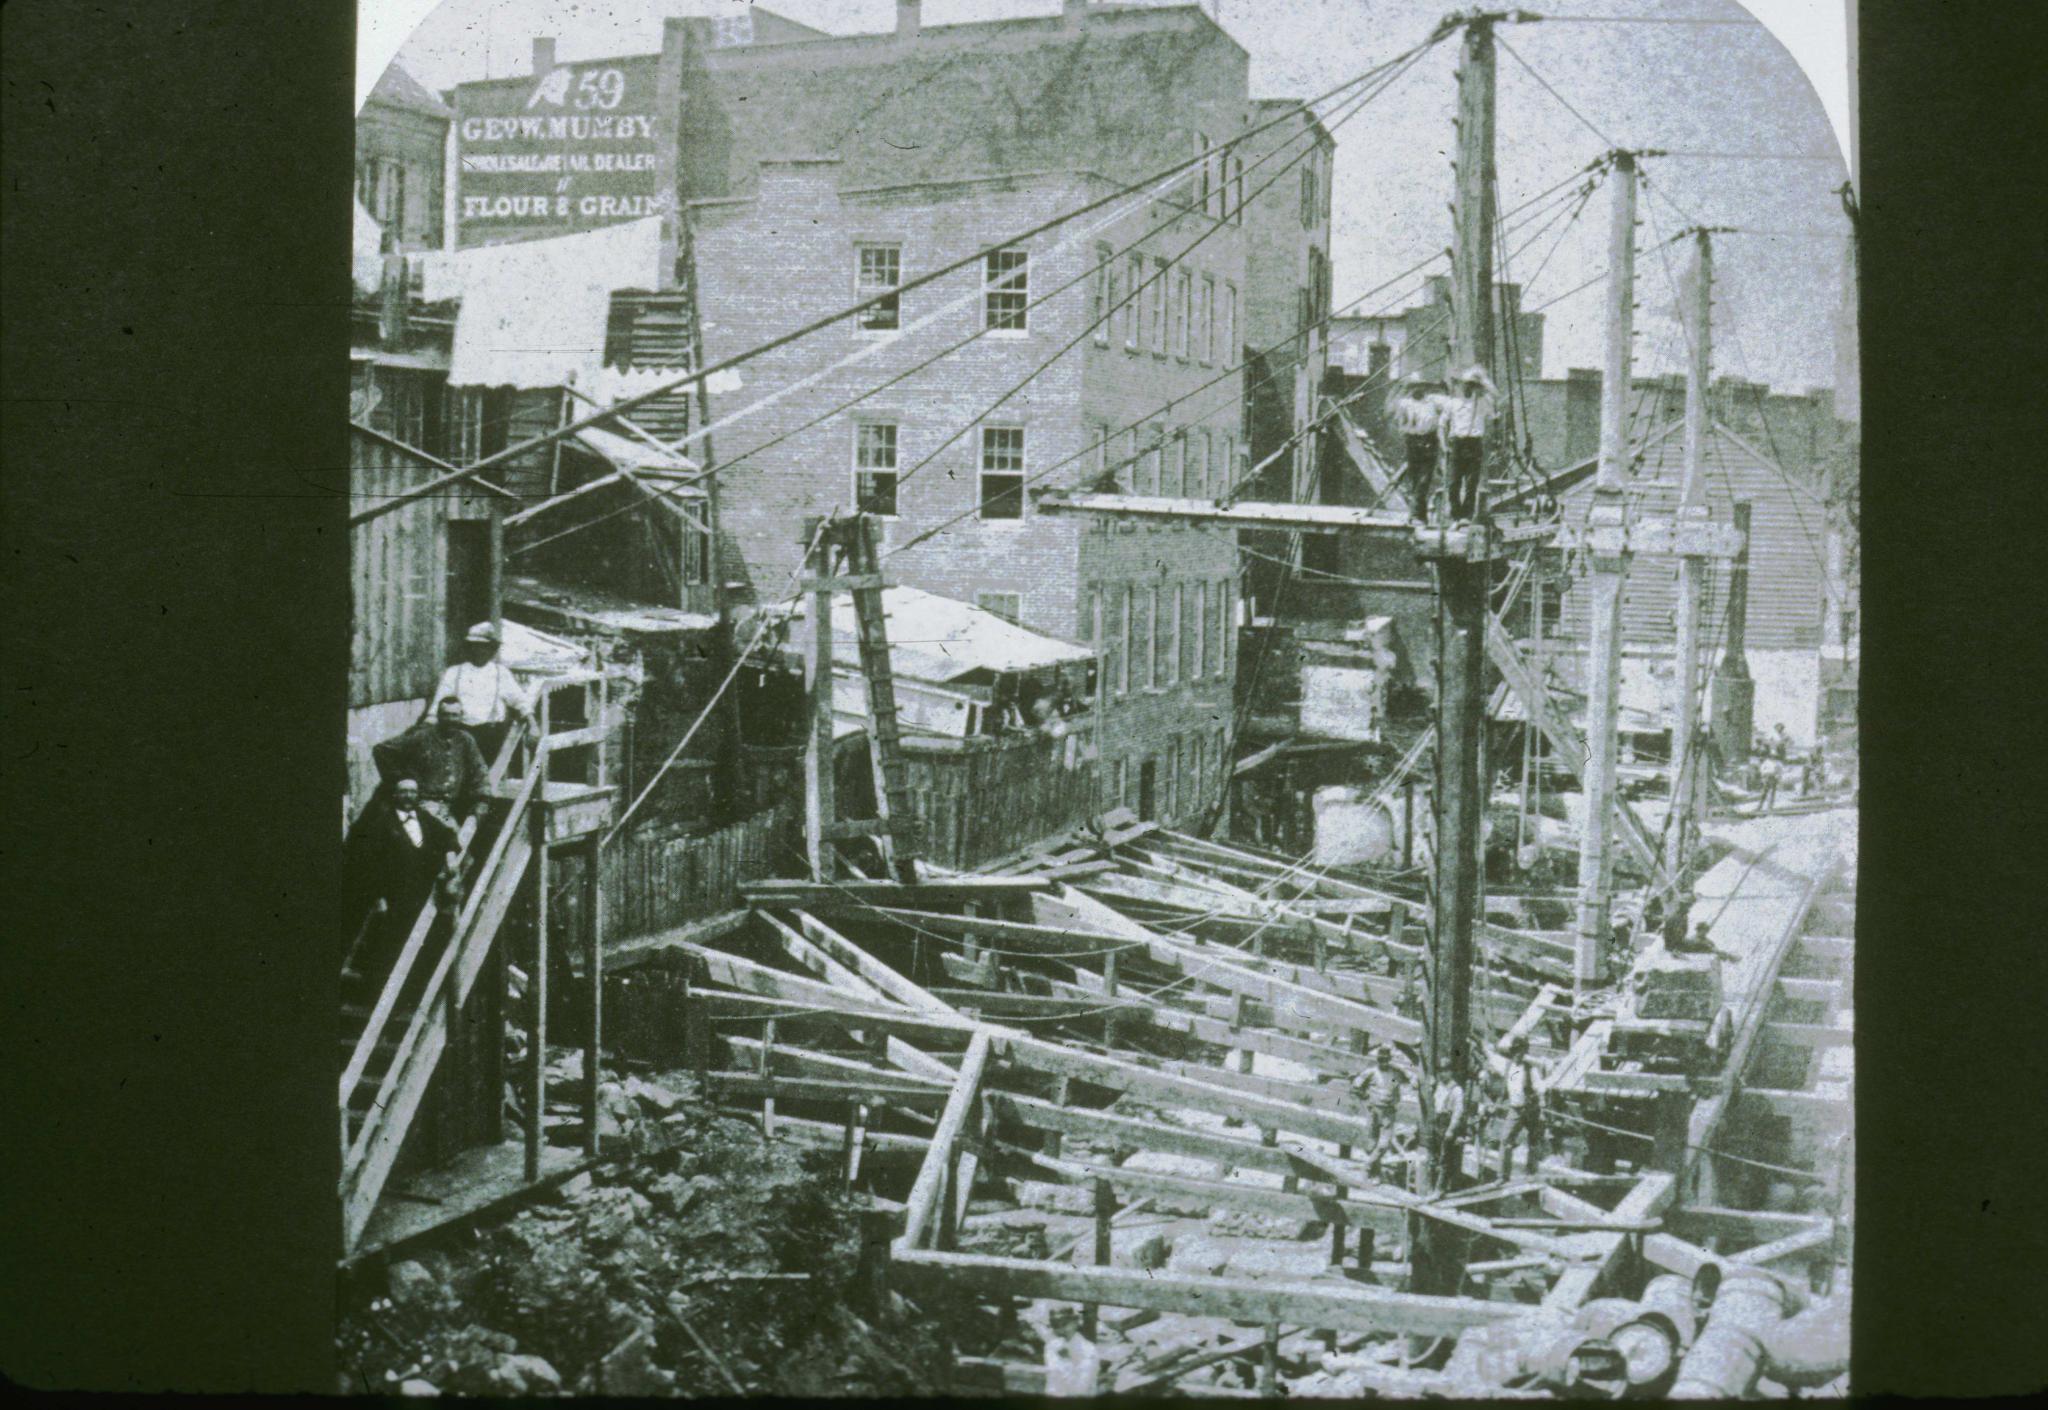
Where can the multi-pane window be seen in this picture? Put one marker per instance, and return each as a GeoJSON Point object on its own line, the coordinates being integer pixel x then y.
{"type": "Point", "coordinates": [1171, 800]}
{"type": "Point", "coordinates": [1007, 605]}
{"type": "Point", "coordinates": [1227, 334]}
{"type": "Point", "coordinates": [1200, 591]}
{"type": "Point", "coordinates": [874, 467]}
{"type": "Point", "coordinates": [1158, 292]}
{"type": "Point", "coordinates": [1198, 463]}
{"type": "Point", "coordinates": [1134, 301]}
{"type": "Point", "coordinates": [1148, 474]}
{"type": "Point", "coordinates": [1161, 640]}
{"type": "Point", "coordinates": [1224, 473]}
{"type": "Point", "coordinates": [1183, 311]}
{"type": "Point", "coordinates": [1169, 635]}
{"type": "Point", "coordinates": [1113, 791]}
{"type": "Point", "coordinates": [1123, 640]}
{"type": "Point", "coordinates": [1207, 185]}
{"type": "Point", "coordinates": [1201, 335]}
{"type": "Point", "coordinates": [1006, 290]}
{"type": "Point", "coordinates": [1105, 292]}
{"type": "Point", "coordinates": [1229, 621]}
{"type": "Point", "coordinates": [1173, 476]}
{"type": "Point", "coordinates": [1002, 472]}
{"type": "Point", "coordinates": [1141, 638]}
{"type": "Point", "coordinates": [1189, 614]}
{"type": "Point", "coordinates": [878, 273]}
{"type": "Point", "coordinates": [1237, 192]}
{"type": "Point", "coordinates": [1309, 201]}
{"type": "Point", "coordinates": [1219, 629]}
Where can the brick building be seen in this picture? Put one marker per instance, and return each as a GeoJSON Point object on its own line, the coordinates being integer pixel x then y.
{"type": "Point", "coordinates": [401, 160]}
{"type": "Point", "coordinates": [821, 168]}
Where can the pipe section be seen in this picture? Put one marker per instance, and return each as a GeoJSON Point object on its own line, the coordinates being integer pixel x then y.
{"type": "Point", "coordinates": [1726, 1360]}
{"type": "Point", "coordinates": [1808, 1350]}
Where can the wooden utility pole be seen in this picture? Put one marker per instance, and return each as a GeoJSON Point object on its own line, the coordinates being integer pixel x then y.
{"type": "Point", "coordinates": [1692, 574]}
{"type": "Point", "coordinates": [1462, 585]}
{"type": "Point", "coordinates": [819, 811]}
{"type": "Point", "coordinates": [1734, 691]}
{"type": "Point", "coordinates": [1607, 544]}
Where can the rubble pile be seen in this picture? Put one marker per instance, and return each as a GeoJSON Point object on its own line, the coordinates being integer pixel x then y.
{"type": "Point", "coordinates": [702, 1262]}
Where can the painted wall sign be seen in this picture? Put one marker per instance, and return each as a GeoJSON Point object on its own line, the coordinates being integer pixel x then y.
{"type": "Point", "coordinates": [573, 149]}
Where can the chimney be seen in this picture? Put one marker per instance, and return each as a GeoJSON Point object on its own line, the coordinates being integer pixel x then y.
{"type": "Point", "coordinates": [1581, 414]}
{"type": "Point", "coordinates": [909, 18]}
{"type": "Point", "coordinates": [1378, 357]}
{"type": "Point", "coordinates": [1074, 13]}
{"type": "Point", "coordinates": [543, 56]}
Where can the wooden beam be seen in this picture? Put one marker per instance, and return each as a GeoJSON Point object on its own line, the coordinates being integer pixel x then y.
{"type": "Point", "coordinates": [1810, 1035]}
{"type": "Point", "coordinates": [1748, 1225]}
{"type": "Point", "coordinates": [897, 986]}
{"type": "Point", "coordinates": [1812, 991]}
{"type": "Point", "coordinates": [817, 895]}
{"type": "Point", "coordinates": [1818, 1238]}
{"type": "Point", "coordinates": [1650, 1196]}
{"type": "Point", "coordinates": [775, 1087]}
{"type": "Point", "coordinates": [625, 954]}
{"type": "Point", "coordinates": [1342, 1306]}
{"type": "Point", "coordinates": [922, 1207]}
{"type": "Point", "coordinates": [1039, 939]}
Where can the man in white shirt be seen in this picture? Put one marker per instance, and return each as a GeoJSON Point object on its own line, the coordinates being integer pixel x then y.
{"type": "Point", "coordinates": [1524, 1102]}
{"type": "Point", "coordinates": [1072, 1362]}
{"type": "Point", "coordinates": [1416, 411]}
{"type": "Point", "coordinates": [1466, 415]}
{"type": "Point", "coordinates": [490, 694]}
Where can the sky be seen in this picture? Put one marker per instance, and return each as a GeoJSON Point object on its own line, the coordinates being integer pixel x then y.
{"type": "Point", "coordinates": [1752, 143]}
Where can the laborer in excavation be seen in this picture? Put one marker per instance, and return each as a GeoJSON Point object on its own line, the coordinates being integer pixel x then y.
{"type": "Point", "coordinates": [1524, 1080]}
{"type": "Point", "coordinates": [1415, 407]}
{"type": "Point", "coordinates": [1466, 414]}
{"type": "Point", "coordinates": [1380, 1087]}
{"type": "Point", "coordinates": [1072, 1361]}
{"type": "Point", "coordinates": [1449, 1118]}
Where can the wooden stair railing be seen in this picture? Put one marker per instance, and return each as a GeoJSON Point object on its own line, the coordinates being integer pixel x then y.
{"type": "Point", "coordinates": [401, 970]}
{"type": "Point", "coordinates": [389, 1114]}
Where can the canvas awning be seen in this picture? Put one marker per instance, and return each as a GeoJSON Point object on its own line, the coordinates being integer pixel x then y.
{"type": "Point", "coordinates": [630, 453]}
{"type": "Point", "coordinates": [939, 639]}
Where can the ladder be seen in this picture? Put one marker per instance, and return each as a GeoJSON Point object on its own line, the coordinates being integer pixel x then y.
{"type": "Point", "coordinates": [854, 537]}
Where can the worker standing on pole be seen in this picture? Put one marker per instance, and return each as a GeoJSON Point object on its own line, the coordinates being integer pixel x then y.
{"type": "Point", "coordinates": [1524, 1102]}
{"type": "Point", "coordinates": [1379, 1087]}
{"type": "Point", "coordinates": [1466, 415]}
{"type": "Point", "coordinates": [1416, 408]}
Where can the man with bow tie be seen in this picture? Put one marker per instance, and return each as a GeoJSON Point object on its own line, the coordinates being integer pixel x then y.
{"type": "Point", "coordinates": [398, 851]}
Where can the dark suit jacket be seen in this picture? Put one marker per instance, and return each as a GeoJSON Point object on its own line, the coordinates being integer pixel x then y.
{"type": "Point", "coordinates": [384, 865]}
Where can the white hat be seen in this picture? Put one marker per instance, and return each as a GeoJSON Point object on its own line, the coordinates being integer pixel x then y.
{"type": "Point", "coordinates": [484, 631]}
{"type": "Point", "coordinates": [1476, 373]}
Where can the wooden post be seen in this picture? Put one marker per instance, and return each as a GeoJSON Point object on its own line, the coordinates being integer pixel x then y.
{"type": "Point", "coordinates": [1109, 1023]}
{"type": "Point", "coordinates": [819, 808]}
{"type": "Point", "coordinates": [1609, 558]}
{"type": "Point", "coordinates": [767, 1072]}
{"type": "Point", "coordinates": [948, 1230]}
{"type": "Point", "coordinates": [856, 1142]}
{"type": "Point", "coordinates": [1269, 1362]}
{"type": "Point", "coordinates": [1734, 691]}
{"type": "Point", "coordinates": [1692, 569]}
{"type": "Point", "coordinates": [1105, 1210]}
{"type": "Point", "coordinates": [593, 909]}
{"type": "Point", "coordinates": [537, 984]}
{"type": "Point", "coordinates": [1463, 587]}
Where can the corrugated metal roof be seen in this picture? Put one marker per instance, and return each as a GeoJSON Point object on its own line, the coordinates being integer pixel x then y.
{"type": "Point", "coordinates": [1787, 549]}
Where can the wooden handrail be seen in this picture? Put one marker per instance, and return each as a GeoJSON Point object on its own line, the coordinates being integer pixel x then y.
{"type": "Point", "coordinates": [380, 1015]}
{"type": "Point", "coordinates": [431, 994]}
{"type": "Point", "coordinates": [401, 970]}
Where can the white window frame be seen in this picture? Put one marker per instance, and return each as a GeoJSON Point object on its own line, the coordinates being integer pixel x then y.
{"type": "Point", "coordinates": [1105, 292]}
{"type": "Point", "coordinates": [1123, 641]}
{"type": "Point", "coordinates": [1204, 335]}
{"type": "Point", "coordinates": [1227, 335]}
{"type": "Point", "coordinates": [1201, 629]}
{"type": "Point", "coordinates": [1134, 304]}
{"type": "Point", "coordinates": [983, 472]}
{"type": "Point", "coordinates": [1012, 282]}
{"type": "Point", "coordinates": [1159, 288]}
{"type": "Point", "coordinates": [864, 289]}
{"type": "Point", "coordinates": [1183, 312]}
{"type": "Point", "coordinates": [894, 470]}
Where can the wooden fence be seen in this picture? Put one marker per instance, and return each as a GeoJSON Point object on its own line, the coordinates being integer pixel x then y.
{"type": "Point", "coordinates": [656, 882]}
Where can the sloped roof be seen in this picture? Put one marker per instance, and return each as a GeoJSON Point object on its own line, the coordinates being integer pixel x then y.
{"type": "Point", "coordinates": [399, 89]}
{"type": "Point", "coordinates": [936, 638]}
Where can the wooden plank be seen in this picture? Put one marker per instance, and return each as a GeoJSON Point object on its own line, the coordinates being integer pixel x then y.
{"type": "Point", "coordinates": [1224, 1194]}
{"type": "Point", "coordinates": [1652, 1194]}
{"type": "Point", "coordinates": [922, 1205]}
{"type": "Point", "coordinates": [1207, 1096]}
{"type": "Point", "coordinates": [1342, 1306]}
{"type": "Point", "coordinates": [624, 954]}
{"type": "Point", "coordinates": [812, 895]}
{"type": "Point", "coordinates": [776, 1087]}
{"type": "Point", "coordinates": [1818, 1238]}
{"type": "Point", "coordinates": [1039, 939]}
{"type": "Point", "coordinates": [881, 976]}
{"type": "Point", "coordinates": [1810, 1035]}
{"type": "Point", "coordinates": [1812, 991]}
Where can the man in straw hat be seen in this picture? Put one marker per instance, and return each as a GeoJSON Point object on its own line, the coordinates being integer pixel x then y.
{"type": "Point", "coordinates": [1466, 414]}
{"type": "Point", "coordinates": [490, 695]}
{"type": "Point", "coordinates": [1414, 409]}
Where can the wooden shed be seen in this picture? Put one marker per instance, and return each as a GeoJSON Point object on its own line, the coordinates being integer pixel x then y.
{"type": "Point", "coordinates": [420, 577]}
